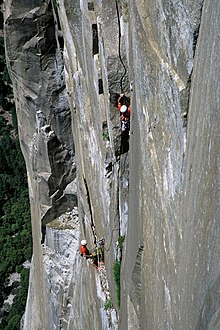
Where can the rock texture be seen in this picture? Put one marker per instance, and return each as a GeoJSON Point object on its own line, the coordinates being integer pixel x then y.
{"type": "Point", "coordinates": [69, 61]}
{"type": "Point", "coordinates": [36, 66]}
{"type": "Point", "coordinates": [172, 248]}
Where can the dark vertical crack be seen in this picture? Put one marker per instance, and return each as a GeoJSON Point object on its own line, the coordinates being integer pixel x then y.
{"type": "Point", "coordinates": [185, 94]}
{"type": "Point", "coordinates": [90, 210]}
{"type": "Point", "coordinates": [58, 32]}
{"type": "Point", "coordinates": [196, 30]}
{"type": "Point", "coordinates": [95, 38]}
{"type": "Point", "coordinates": [119, 46]}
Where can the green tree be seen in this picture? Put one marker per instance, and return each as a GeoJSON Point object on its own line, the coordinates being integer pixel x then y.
{"type": "Point", "coordinates": [15, 223]}
{"type": "Point", "coordinates": [117, 279]}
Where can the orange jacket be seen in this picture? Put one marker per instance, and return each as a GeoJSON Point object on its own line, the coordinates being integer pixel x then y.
{"type": "Point", "coordinates": [84, 251]}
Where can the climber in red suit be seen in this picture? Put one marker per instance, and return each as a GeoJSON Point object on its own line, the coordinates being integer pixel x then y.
{"type": "Point", "coordinates": [125, 111]}
{"type": "Point", "coordinates": [84, 251]}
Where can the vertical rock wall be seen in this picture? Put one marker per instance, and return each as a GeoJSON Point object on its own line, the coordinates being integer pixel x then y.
{"type": "Point", "coordinates": [35, 60]}
{"type": "Point", "coordinates": [68, 61]}
{"type": "Point", "coordinates": [93, 71]}
{"type": "Point", "coordinates": [170, 267]}
{"type": "Point", "coordinates": [46, 41]}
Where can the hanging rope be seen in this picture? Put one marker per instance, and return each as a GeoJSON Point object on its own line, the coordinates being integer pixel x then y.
{"type": "Point", "coordinates": [119, 46]}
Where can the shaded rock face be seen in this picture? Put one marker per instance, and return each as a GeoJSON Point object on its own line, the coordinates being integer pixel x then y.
{"type": "Point", "coordinates": [68, 62]}
{"type": "Point", "coordinates": [36, 67]}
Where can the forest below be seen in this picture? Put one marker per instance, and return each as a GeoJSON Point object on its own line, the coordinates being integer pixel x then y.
{"type": "Point", "coordinates": [15, 223]}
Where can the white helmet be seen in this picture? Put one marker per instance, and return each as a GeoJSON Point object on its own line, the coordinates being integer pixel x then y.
{"type": "Point", "coordinates": [83, 242]}
{"type": "Point", "coordinates": [123, 109]}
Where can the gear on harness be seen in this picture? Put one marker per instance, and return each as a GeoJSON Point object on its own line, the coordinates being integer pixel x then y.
{"type": "Point", "coordinates": [125, 112]}
{"type": "Point", "coordinates": [96, 254]}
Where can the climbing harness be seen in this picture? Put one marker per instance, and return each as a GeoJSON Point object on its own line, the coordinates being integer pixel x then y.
{"type": "Point", "coordinates": [119, 46]}
{"type": "Point", "coordinates": [97, 258]}
{"type": "Point", "coordinates": [99, 251]}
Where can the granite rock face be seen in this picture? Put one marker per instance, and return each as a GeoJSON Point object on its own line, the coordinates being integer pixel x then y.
{"type": "Point", "coordinates": [35, 60]}
{"type": "Point", "coordinates": [158, 187]}
{"type": "Point", "coordinates": [170, 265]}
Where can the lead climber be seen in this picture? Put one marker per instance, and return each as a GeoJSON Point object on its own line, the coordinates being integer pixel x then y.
{"type": "Point", "coordinates": [125, 112]}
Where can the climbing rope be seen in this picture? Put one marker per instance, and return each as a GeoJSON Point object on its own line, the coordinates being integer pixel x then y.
{"type": "Point", "coordinates": [119, 46]}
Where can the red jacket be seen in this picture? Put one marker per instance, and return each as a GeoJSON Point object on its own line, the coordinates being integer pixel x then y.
{"type": "Point", "coordinates": [123, 100]}
{"type": "Point", "coordinates": [84, 251]}
{"type": "Point", "coordinates": [126, 115]}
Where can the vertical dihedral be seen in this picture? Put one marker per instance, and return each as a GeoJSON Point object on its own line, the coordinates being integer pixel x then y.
{"type": "Point", "coordinates": [93, 70]}
{"type": "Point", "coordinates": [34, 44]}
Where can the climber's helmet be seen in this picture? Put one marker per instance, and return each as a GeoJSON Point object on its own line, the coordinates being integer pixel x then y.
{"type": "Point", "coordinates": [83, 242]}
{"type": "Point", "coordinates": [123, 109]}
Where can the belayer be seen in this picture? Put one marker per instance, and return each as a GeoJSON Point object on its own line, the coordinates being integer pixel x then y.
{"type": "Point", "coordinates": [125, 112]}
{"type": "Point", "coordinates": [96, 255]}
{"type": "Point", "coordinates": [84, 252]}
